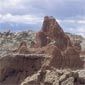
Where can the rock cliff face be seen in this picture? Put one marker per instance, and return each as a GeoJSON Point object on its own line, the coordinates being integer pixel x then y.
{"type": "Point", "coordinates": [79, 43]}
{"type": "Point", "coordinates": [53, 38]}
{"type": "Point", "coordinates": [15, 68]}
{"type": "Point", "coordinates": [51, 60]}
{"type": "Point", "coordinates": [52, 32]}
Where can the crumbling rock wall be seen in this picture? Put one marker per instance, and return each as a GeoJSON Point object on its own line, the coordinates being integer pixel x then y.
{"type": "Point", "coordinates": [22, 49]}
{"type": "Point", "coordinates": [52, 32]}
{"type": "Point", "coordinates": [15, 68]}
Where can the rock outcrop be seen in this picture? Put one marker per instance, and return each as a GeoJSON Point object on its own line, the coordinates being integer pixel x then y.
{"type": "Point", "coordinates": [52, 32]}
{"type": "Point", "coordinates": [50, 61]}
{"type": "Point", "coordinates": [58, 44]}
{"type": "Point", "coordinates": [15, 68]}
{"type": "Point", "coordinates": [23, 48]}
{"type": "Point", "coordinates": [52, 77]}
{"type": "Point", "coordinates": [78, 42]}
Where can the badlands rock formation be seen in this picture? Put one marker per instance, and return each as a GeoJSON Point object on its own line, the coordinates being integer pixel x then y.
{"type": "Point", "coordinates": [52, 32]}
{"type": "Point", "coordinates": [64, 53]}
{"type": "Point", "coordinates": [50, 59]}
{"type": "Point", "coordinates": [79, 41]}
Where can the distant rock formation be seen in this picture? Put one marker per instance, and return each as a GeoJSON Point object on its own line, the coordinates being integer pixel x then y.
{"type": "Point", "coordinates": [10, 41]}
{"type": "Point", "coordinates": [15, 68]}
{"type": "Point", "coordinates": [23, 48]}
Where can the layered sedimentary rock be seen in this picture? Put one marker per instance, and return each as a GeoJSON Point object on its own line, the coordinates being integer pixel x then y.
{"type": "Point", "coordinates": [79, 43]}
{"type": "Point", "coordinates": [51, 31]}
{"type": "Point", "coordinates": [15, 68]}
{"type": "Point", "coordinates": [56, 42]}
{"type": "Point", "coordinates": [38, 64]}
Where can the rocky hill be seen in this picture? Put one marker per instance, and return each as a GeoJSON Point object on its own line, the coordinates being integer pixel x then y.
{"type": "Point", "coordinates": [48, 57]}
